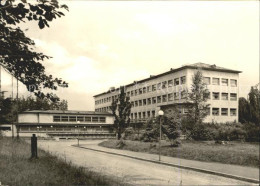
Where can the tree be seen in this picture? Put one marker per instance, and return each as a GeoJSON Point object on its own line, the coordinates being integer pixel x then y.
{"type": "Point", "coordinates": [254, 101]}
{"type": "Point", "coordinates": [197, 98]}
{"type": "Point", "coordinates": [121, 109]}
{"type": "Point", "coordinates": [244, 110]}
{"type": "Point", "coordinates": [17, 54]}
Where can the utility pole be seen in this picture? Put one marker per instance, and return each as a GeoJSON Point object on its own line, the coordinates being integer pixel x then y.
{"type": "Point", "coordinates": [17, 126]}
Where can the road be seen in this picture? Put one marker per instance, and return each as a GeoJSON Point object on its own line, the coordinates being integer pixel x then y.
{"type": "Point", "coordinates": [129, 170]}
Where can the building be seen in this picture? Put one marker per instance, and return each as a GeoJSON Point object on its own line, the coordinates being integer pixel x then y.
{"type": "Point", "coordinates": [65, 124]}
{"type": "Point", "coordinates": [168, 89]}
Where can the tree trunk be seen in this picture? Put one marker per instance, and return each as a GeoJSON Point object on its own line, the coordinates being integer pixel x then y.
{"type": "Point", "coordinates": [119, 135]}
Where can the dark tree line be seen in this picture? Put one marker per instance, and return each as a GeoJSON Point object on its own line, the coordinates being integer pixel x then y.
{"type": "Point", "coordinates": [9, 108]}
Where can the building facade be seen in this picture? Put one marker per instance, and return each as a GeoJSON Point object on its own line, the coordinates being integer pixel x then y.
{"type": "Point", "coordinates": [65, 124]}
{"type": "Point", "coordinates": [157, 92]}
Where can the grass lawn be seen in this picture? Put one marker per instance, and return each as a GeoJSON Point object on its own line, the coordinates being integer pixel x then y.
{"type": "Point", "coordinates": [16, 168]}
{"type": "Point", "coordinates": [246, 154]}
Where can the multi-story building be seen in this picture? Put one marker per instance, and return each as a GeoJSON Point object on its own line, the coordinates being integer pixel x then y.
{"type": "Point", "coordinates": [168, 89]}
{"type": "Point", "coordinates": [65, 124]}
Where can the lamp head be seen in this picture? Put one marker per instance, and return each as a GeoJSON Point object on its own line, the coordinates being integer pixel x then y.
{"type": "Point", "coordinates": [161, 113]}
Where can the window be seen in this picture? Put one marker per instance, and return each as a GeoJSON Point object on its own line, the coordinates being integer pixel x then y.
{"type": "Point", "coordinates": [72, 118]}
{"type": "Point", "coordinates": [139, 115]}
{"type": "Point", "coordinates": [144, 101]}
{"type": "Point", "coordinates": [176, 81]}
{"type": "Point", "coordinates": [135, 115]}
{"type": "Point", "coordinates": [132, 93]}
{"type": "Point", "coordinates": [153, 113]}
{"type": "Point", "coordinates": [140, 91]}
{"type": "Point", "coordinates": [144, 90]}
{"type": "Point", "coordinates": [64, 118]}
{"type": "Point", "coordinates": [170, 97]}
{"type": "Point", "coordinates": [233, 83]}
{"type": "Point", "coordinates": [56, 118]}
{"type": "Point", "coordinates": [149, 101]}
{"type": "Point", "coordinates": [215, 111]}
{"type": "Point", "coordinates": [224, 96]}
{"type": "Point", "coordinates": [233, 112]}
{"type": "Point", "coordinates": [136, 103]}
{"type": "Point", "coordinates": [144, 115]}
{"type": "Point", "coordinates": [183, 79]}
{"type": "Point", "coordinates": [154, 100]}
{"type": "Point", "coordinates": [224, 111]}
{"type": "Point", "coordinates": [80, 118]}
{"type": "Point", "coordinates": [132, 103]}
{"type": "Point", "coordinates": [159, 99]}
{"type": "Point", "coordinates": [149, 89]}
{"type": "Point", "coordinates": [136, 93]}
{"type": "Point", "coordinates": [102, 119]}
{"type": "Point", "coordinates": [170, 83]}
{"type": "Point", "coordinates": [164, 98]}
{"type": "Point", "coordinates": [164, 84]}
{"type": "Point", "coordinates": [233, 96]}
{"type": "Point", "coordinates": [176, 95]}
{"type": "Point", "coordinates": [215, 81]}
{"type": "Point", "coordinates": [94, 119]}
{"type": "Point", "coordinates": [206, 80]}
{"type": "Point", "coordinates": [153, 87]}
{"type": "Point", "coordinates": [224, 82]}
{"type": "Point", "coordinates": [140, 103]}
{"type": "Point", "coordinates": [87, 119]}
{"type": "Point", "coordinates": [128, 94]}
{"type": "Point", "coordinates": [159, 86]}
{"type": "Point", "coordinates": [148, 114]}
{"type": "Point", "coordinates": [215, 95]}
{"type": "Point", "coordinates": [132, 116]}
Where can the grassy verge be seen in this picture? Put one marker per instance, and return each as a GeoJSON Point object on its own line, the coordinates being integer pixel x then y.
{"type": "Point", "coordinates": [246, 154]}
{"type": "Point", "coordinates": [16, 168]}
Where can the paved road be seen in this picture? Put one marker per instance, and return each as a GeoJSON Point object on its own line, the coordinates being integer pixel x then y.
{"type": "Point", "coordinates": [129, 170]}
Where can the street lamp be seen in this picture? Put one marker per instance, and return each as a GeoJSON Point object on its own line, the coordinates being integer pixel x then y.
{"type": "Point", "coordinates": [160, 113]}
{"type": "Point", "coordinates": [78, 122]}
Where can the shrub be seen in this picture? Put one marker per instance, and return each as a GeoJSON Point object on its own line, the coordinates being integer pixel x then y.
{"type": "Point", "coordinates": [151, 133]}
{"type": "Point", "coordinates": [252, 132]}
{"type": "Point", "coordinates": [201, 132]}
{"type": "Point", "coordinates": [129, 133]}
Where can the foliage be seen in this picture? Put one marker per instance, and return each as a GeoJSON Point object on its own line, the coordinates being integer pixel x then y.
{"type": "Point", "coordinates": [197, 97]}
{"type": "Point", "coordinates": [17, 53]}
{"type": "Point", "coordinates": [10, 108]}
{"type": "Point", "coordinates": [249, 110]}
{"type": "Point", "coordinates": [128, 133]}
{"type": "Point", "coordinates": [121, 109]}
{"type": "Point", "coordinates": [151, 133]}
{"type": "Point", "coordinates": [252, 132]}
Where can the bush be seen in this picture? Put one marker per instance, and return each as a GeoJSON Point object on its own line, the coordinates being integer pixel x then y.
{"type": "Point", "coordinates": [252, 132]}
{"type": "Point", "coordinates": [151, 133]}
{"type": "Point", "coordinates": [201, 132]}
{"type": "Point", "coordinates": [129, 133]}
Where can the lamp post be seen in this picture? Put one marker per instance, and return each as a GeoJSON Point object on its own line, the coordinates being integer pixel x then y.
{"type": "Point", "coordinates": [78, 122]}
{"type": "Point", "coordinates": [160, 113]}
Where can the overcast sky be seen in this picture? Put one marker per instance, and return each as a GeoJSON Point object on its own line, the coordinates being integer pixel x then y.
{"type": "Point", "coordinates": [98, 45]}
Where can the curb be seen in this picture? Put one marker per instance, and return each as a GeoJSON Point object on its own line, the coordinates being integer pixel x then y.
{"type": "Point", "coordinates": [178, 166]}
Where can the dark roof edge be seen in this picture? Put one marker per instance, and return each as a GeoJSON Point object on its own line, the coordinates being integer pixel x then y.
{"type": "Point", "coordinates": [66, 112]}
{"type": "Point", "coordinates": [171, 71]}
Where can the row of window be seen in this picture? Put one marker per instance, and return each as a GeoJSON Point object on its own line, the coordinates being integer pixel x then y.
{"type": "Point", "coordinates": [175, 96]}
{"type": "Point", "coordinates": [170, 83]}
{"type": "Point", "coordinates": [151, 88]}
{"type": "Point", "coordinates": [215, 112]}
{"type": "Point", "coordinates": [93, 119]}
{"type": "Point", "coordinates": [216, 81]}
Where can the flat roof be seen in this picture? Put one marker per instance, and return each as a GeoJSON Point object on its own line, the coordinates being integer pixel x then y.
{"type": "Point", "coordinates": [199, 65]}
{"type": "Point", "coordinates": [66, 112]}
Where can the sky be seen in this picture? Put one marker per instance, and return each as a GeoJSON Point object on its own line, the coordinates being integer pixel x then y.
{"type": "Point", "coordinates": [98, 45]}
